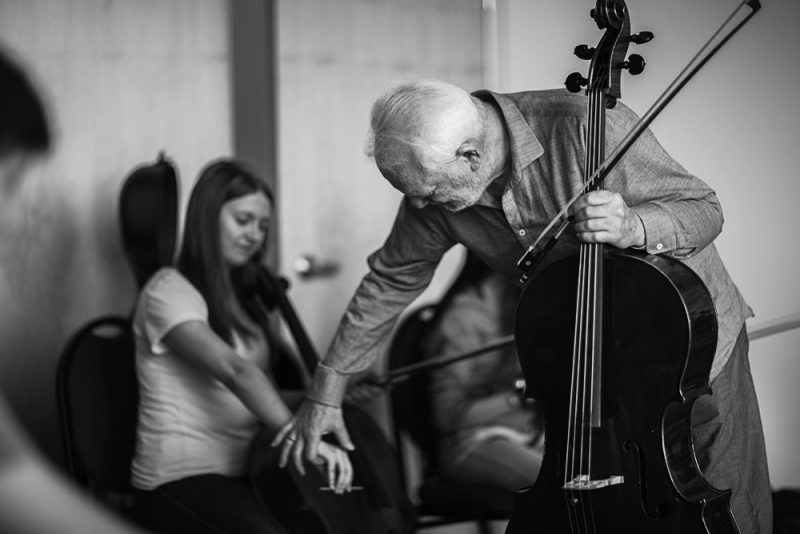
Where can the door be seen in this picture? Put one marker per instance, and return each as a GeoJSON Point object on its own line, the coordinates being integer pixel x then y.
{"type": "Point", "coordinates": [334, 59]}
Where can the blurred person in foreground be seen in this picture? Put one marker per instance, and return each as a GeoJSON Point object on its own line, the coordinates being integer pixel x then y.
{"type": "Point", "coordinates": [34, 497]}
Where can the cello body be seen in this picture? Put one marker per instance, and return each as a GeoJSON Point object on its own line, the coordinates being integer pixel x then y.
{"type": "Point", "coordinates": [659, 336]}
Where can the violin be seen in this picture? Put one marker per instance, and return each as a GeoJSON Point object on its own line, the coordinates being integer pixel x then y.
{"type": "Point", "coordinates": [616, 346]}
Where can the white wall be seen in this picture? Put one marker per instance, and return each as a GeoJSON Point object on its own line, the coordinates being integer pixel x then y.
{"type": "Point", "coordinates": [122, 79]}
{"type": "Point", "coordinates": [736, 125]}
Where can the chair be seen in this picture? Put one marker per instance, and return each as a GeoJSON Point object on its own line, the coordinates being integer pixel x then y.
{"type": "Point", "coordinates": [440, 502]}
{"type": "Point", "coordinates": [96, 385]}
{"type": "Point", "coordinates": [98, 397]}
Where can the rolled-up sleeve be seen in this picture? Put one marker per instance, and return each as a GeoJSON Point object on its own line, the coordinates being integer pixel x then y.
{"type": "Point", "coordinates": [680, 213]}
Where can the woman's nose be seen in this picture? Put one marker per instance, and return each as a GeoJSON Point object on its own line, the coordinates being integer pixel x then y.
{"type": "Point", "coordinates": [254, 234]}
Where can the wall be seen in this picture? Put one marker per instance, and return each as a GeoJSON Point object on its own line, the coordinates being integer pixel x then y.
{"type": "Point", "coordinates": [736, 125]}
{"type": "Point", "coordinates": [122, 80]}
{"type": "Point", "coordinates": [334, 60]}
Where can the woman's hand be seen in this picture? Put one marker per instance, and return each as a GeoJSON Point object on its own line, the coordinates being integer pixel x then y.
{"type": "Point", "coordinates": [337, 465]}
{"type": "Point", "coordinates": [301, 436]}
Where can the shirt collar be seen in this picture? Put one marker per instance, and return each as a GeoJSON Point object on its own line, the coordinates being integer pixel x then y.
{"type": "Point", "coordinates": [525, 146]}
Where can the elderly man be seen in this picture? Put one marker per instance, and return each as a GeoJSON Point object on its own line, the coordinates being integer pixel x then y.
{"type": "Point", "coordinates": [489, 171]}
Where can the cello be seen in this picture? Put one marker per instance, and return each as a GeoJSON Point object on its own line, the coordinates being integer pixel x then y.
{"type": "Point", "coordinates": [616, 346]}
{"type": "Point", "coordinates": [378, 504]}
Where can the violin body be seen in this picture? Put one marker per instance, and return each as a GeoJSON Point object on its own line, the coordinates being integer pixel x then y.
{"type": "Point", "coordinates": [659, 335]}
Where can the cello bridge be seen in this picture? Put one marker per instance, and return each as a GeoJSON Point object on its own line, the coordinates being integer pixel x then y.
{"type": "Point", "coordinates": [585, 483]}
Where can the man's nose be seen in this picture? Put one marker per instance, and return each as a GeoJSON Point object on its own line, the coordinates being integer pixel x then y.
{"type": "Point", "coordinates": [418, 203]}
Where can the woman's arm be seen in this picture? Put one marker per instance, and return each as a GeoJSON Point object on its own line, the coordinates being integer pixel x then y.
{"type": "Point", "coordinates": [195, 342]}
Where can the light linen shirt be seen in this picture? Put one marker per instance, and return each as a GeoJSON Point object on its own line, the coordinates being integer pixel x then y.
{"type": "Point", "coordinates": [680, 213]}
{"type": "Point", "coordinates": [189, 422]}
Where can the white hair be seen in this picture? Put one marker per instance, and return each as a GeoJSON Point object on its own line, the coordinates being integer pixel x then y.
{"type": "Point", "coordinates": [428, 118]}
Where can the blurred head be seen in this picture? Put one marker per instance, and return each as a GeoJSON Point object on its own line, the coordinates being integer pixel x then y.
{"type": "Point", "coordinates": [24, 129]}
{"type": "Point", "coordinates": [427, 138]}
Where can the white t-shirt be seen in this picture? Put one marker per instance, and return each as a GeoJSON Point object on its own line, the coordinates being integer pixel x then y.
{"type": "Point", "coordinates": [189, 422]}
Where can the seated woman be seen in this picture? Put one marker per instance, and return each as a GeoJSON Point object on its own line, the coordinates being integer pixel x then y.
{"type": "Point", "coordinates": [203, 356]}
{"type": "Point", "coordinates": [486, 433]}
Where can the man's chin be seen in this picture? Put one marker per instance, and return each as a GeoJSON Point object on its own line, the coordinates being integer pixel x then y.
{"type": "Point", "coordinates": [455, 207]}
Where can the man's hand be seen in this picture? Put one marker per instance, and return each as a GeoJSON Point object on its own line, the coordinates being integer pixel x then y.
{"type": "Point", "coordinates": [603, 217]}
{"type": "Point", "coordinates": [300, 437]}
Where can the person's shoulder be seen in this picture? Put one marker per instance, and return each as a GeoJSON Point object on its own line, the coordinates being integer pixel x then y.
{"type": "Point", "coordinates": [168, 294]}
{"type": "Point", "coordinates": [549, 103]}
{"type": "Point", "coordinates": [168, 282]}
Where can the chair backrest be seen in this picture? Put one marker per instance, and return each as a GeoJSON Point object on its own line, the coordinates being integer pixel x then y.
{"type": "Point", "coordinates": [410, 398]}
{"type": "Point", "coordinates": [148, 217]}
{"type": "Point", "coordinates": [97, 400]}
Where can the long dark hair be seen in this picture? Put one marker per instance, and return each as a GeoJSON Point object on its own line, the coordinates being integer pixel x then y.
{"type": "Point", "coordinates": [200, 259]}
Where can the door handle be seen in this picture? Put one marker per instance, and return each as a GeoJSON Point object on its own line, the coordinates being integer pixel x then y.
{"type": "Point", "coordinates": [308, 266]}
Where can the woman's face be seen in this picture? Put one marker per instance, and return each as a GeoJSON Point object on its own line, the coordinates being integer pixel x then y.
{"type": "Point", "coordinates": [243, 225]}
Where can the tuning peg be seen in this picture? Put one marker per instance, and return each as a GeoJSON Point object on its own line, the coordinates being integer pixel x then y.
{"type": "Point", "coordinates": [575, 81]}
{"type": "Point", "coordinates": [641, 37]}
{"type": "Point", "coordinates": [635, 64]}
{"type": "Point", "coordinates": [584, 51]}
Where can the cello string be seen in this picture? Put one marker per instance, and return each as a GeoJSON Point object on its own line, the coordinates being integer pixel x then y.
{"type": "Point", "coordinates": [575, 426]}
{"type": "Point", "coordinates": [587, 319]}
{"type": "Point", "coordinates": [598, 111]}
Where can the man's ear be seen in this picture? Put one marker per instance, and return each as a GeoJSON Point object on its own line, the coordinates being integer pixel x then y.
{"type": "Point", "coordinates": [470, 151]}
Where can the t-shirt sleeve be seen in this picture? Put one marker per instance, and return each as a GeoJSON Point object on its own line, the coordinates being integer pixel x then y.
{"type": "Point", "coordinates": [167, 302]}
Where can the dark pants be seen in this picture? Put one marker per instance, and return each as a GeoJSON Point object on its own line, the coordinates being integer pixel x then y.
{"type": "Point", "coordinates": [214, 504]}
{"type": "Point", "coordinates": [729, 442]}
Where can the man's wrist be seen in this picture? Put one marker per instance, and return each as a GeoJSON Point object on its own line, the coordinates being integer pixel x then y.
{"type": "Point", "coordinates": [327, 387]}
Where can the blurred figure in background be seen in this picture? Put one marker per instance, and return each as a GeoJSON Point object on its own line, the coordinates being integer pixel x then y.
{"type": "Point", "coordinates": [487, 434]}
{"type": "Point", "coordinates": [34, 497]}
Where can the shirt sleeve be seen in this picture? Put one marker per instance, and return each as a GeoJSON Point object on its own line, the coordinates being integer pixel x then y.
{"type": "Point", "coordinates": [680, 213]}
{"type": "Point", "coordinates": [398, 272]}
{"type": "Point", "coordinates": [167, 302]}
